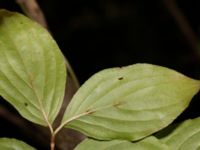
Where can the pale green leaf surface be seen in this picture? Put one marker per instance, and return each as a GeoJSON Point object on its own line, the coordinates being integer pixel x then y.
{"type": "Point", "coordinates": [129, 102]}
{"type": "Point", "coordinates": [186, 136]}
{"type": "Point", "coordinates": [13, 144]}
{"type": "Point", "coordinates": [150, 143]}
{"type": "Point", "coordinates": [32, 68]}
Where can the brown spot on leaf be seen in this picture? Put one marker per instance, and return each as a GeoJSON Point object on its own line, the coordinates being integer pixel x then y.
{"type": "Point", "coordinates": [118, 103]}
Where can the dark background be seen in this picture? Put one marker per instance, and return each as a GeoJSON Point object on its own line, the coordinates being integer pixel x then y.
{"type": "Point", "coordinates": [99, 34]}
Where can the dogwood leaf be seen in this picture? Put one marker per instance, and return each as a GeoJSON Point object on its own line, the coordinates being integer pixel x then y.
{"type": "Point", "coordinates": [130, 102]}
{"type": "Point", "coordinates": [186, 136]}
{"type": "Point", "coordinates": [150, 143]}
{"type": "Point", "coordinates": [32, 68]}
{"type": "Point", "coordinates": [13, 144]}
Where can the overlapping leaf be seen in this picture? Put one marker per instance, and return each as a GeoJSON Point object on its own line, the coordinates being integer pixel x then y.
{"type": "Point", "coordinates": [186, 136]}
{"type": "Point", "coordinates": [150, 143]}
{"type": "Point", "coordinates": [32, 69]}
{"type": "Point", "coordinates": [13, 144]}
{"type": "Point", "coordinates": [130, 102]}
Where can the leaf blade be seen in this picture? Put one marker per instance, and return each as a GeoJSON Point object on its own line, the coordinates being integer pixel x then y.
{"type": "Point", "coordinates": [32, 74]}
{"type": "Point", "coordinates": [150, 143]}
{"type": "Point", "coordinates": [129, 103]}
{"type": "Point", "coordinates": [185, 136]}
{"type": "Point", "coordinates": [13, 144]}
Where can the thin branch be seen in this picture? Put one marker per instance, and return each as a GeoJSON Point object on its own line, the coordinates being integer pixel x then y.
{"type": "Point", "coordinates": [182, 23]}
{"type": "Point", "coordinates": [72, 74]}
{"type": "Point", "coordinates": [32, 9]}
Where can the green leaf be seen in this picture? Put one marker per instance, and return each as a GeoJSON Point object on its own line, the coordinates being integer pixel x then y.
{"type": "Point", "coordinates": [32, 68]}
{"type": "Point", "coordinates": [130, 102]}
{"type": "Point", "coordinates": [13, 144]}
{"type": "Point", "coordinates": [150, 143]}
{"type": "Point", "coordinates": [186, 136]}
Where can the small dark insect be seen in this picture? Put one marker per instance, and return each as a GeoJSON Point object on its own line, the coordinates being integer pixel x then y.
{"type": "Point", "coordinates": [121, 78]}
{"type": "Point", "coordinates": [26, 104]}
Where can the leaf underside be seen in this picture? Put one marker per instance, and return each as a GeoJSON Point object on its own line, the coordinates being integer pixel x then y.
{"type": "Point", "coordinates": [130, 102]}
{"type": "Point", "coordinates": [150, 143]}
{"type": "Point", "coordinates": [186, 136]}
{"type": "Point", "coordinates": [32, 68]}
{"type": "Point", "coordinates": [13, 144]}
